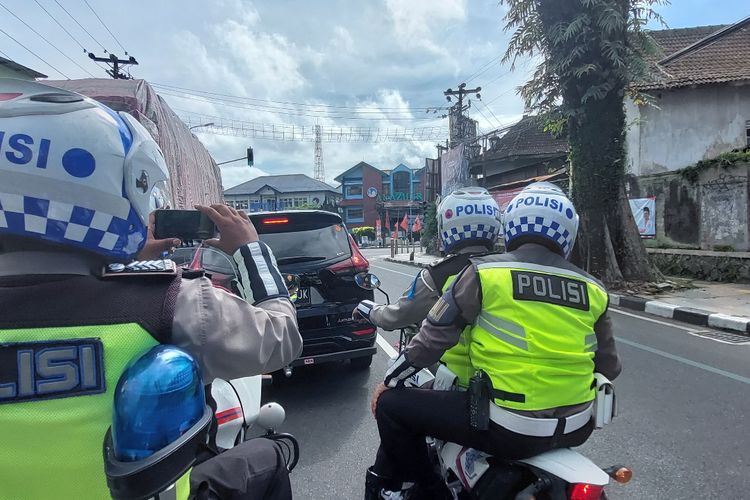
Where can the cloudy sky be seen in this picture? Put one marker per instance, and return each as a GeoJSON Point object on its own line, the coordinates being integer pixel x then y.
{"type": "Point", "coordinates": [337, 63]}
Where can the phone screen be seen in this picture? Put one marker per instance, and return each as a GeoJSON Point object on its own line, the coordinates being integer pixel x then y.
{"type": "Point", "coordinates": [183, 224]}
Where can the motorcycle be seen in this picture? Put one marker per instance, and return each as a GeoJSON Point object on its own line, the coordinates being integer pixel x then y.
{"type": "Point", "coordinates": [560, 474]}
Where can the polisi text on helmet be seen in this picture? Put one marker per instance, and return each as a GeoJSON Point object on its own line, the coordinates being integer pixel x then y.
{"type": "Point", "coordinates": [22, 149]}
{"type": "Point", "coordinates": [476, 209]}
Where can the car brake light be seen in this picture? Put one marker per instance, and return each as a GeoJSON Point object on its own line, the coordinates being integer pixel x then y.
{"type": "Point", "coordinates": [364, 331]}
{"type": "Point", "coordinates": [585, 491]}
{"type": "Point", "coordinates": [276, 220]}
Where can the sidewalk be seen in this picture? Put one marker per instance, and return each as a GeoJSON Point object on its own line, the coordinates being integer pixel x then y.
{"type": "Point", "coordinates": [717, 305]}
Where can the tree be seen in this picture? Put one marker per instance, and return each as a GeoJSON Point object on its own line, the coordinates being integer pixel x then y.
{"type": "Point", "coordinates": [590, 50]}
{"type": "Point", "coordinates": [429, 233]}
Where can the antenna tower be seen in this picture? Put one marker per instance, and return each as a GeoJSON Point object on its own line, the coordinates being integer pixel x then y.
{"type": "Point", "coordinates": [320, 173]}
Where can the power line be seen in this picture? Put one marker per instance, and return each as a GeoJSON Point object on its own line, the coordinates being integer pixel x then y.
{"type": "Point", "coordinates": [34, 54]}
{"type": "Point", "coordinates": [287, 111]}
{"type": "Point", "coordinates": [105, 26]}
{"type": "Point", "coordinates": [493, 114]}
{"type": "Point", "coordinates": [45, 39]}
{"type": "Point", "coordinates": [81, 26]}
{"type": "Point", "coordinates": [4, 54]}
{"type": "Point", "coordinates": [482, 68]}
{"type": "Point", "coordinates": [186, 90]}
{"type": "Point", "coordinates": [61, 26]}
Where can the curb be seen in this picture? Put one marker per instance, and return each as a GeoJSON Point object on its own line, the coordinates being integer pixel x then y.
{"type": "Point", "coordinates": [689, 315]}
{"type": "Point", "coordinates": [412, 263]}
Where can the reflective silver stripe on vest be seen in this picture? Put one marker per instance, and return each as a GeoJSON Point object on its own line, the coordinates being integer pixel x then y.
{"type": "Point", "coordinates": [494, 324]}
{"type": "Point", "coordinates": [591, 343]}
{"type": "Point", "coordinates": [538, 427]}
{"type": "Point", "coordinates": [527, 266]}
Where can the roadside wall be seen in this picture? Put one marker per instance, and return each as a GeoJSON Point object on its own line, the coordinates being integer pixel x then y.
{"type": "Point", "coordinates": [711, 213]}
{"type": "Point", "coordinates": [686, 125]}
{"type": "Point", "coordinates": [729, 267]}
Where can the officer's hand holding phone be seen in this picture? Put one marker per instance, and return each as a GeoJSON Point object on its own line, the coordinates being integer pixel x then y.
{"type": "Point", "coordinates": [235, 228]}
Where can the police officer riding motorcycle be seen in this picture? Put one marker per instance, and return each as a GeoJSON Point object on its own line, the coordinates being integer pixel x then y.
{"type": "Point", "coordinates": [78, 182]}
{"type": "Point", "coordinates": [534, 328]}
{"type": "Point", "coordinates": [468, 224]}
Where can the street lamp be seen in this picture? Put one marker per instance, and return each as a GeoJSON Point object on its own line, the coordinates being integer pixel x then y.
{"type": "Point", "coordinates": [202, 125]}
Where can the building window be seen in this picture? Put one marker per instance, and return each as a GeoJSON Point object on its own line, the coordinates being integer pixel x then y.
{"type": "Point", "coordinates": [386, 190]}
{"type": "Point", "coordinates": [747, 133]}
{"type": "Point", "coordinates": [230, 203]}
{"type": "Point", "coordinates": [299, 202]}
{"type": "Point", "coordinates": [402, 183]}
{"type": "Point", "coordinates": [240, 204]}
{"type": "Point", "coordinates": [353, 191]}
{"type": "Point", "coordinates": [354, 214]}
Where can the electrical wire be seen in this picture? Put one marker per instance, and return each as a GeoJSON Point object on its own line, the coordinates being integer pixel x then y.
{"type": "Point", "coordinates": [45, 39]}
{"type": "Point", "coordinates": [81, 26]}
{"type": "Point", "coordinates": [105, 26]}
{"type": "Point", "coordinates": [61, 26]}
{"type": "Point", "coordinates": [287, 111]}
{"type": "Point", "coordinates": [493, 115]}
{"type": "Point", "coordinates": [483, 68]}
{"type": "Point", "coordinates": [4, 54]}
{"type": "Point", "coordinates": [186, 90]}
{"type": "Point", "coordinates": [34, 53]}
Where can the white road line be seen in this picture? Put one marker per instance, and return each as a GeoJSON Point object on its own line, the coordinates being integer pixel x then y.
{"type": "Point", "coordinates": [388, 348]}
{"type": "Point", "coordinates": [698, 334]}
{"type": "Point", "coordinates": [689, 362]}
{"type": "Point", "coordinates": [652, 320]}
{"type": "Point", "coordinates": [392, 271]}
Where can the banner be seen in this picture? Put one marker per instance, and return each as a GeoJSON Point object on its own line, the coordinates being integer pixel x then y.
{"type": "Point", "coordinates": [454, 170]}
{"type": "Point", "coordinates": [644, 212]}
{"type": "Point", "coordinates": [378, 228]}
{"type": "Point", "coordinates": [504, 197]}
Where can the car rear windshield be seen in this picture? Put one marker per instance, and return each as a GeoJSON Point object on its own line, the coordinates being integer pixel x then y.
{"type": "Point", "coordinates": [304, 237]}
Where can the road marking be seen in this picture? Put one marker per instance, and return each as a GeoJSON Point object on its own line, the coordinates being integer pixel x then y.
{"type": "Point", "coordinates": [392, 271]}
{"type": "Point", "coordinates": [689, 362]}
{"type": "Point", "coordinates": [652, 320]}
{"type": "Point", "coordinates": [388, 348]}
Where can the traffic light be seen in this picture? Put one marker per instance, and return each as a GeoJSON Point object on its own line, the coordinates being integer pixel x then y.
{"type": "Point", "coordinates": [249, 157]}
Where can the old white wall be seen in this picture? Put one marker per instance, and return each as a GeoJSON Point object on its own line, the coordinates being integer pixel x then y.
{"type": "Point", "coordinates": [685, 126]}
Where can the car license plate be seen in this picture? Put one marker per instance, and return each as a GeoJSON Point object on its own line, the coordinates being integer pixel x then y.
{"type": "Point", "coordinates": [303, 296]}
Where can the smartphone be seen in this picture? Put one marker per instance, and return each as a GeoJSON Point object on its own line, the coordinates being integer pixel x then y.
{"type": "Point", "coordinates": [183, 224]}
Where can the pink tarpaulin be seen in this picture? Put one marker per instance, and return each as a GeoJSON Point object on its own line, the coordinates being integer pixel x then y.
{"type": "Point", "coordinates": [503, 197]}
{"type": "Point", "coordinates": [194, 174]}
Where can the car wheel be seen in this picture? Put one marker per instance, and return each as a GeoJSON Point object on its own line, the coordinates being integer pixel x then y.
{"type": "Point", "coordinates": [361, 363]}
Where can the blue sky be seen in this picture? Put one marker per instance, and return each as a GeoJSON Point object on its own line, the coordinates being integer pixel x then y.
{"type": "Point", "coordinates": [363, 54]}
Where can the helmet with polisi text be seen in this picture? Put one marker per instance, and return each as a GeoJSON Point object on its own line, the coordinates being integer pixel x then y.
{"type": "Point", "coordinates": [468, 216]}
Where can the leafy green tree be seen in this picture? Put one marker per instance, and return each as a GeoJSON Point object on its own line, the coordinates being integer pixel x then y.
{"type": "Point", "coordinates": [429, 231]}
{"type": "Point", "coordinates": [588, 52]}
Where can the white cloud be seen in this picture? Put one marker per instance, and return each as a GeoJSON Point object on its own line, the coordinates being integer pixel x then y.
{"type": "Point", "coordinates": [417, 22]}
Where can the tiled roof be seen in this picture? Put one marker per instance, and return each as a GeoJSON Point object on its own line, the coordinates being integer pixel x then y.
{"type": "Point", "coordinates": [290, 183]}
{"type": "Point", "coordinates": [700, 55]}
{"type": "Point", "coordinates": [528, 138]}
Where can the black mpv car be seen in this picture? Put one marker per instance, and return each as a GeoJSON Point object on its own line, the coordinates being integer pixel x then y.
{"type": "Point", "coordinates": [315, 245]}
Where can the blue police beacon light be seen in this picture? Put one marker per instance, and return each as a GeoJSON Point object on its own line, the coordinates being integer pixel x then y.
{"type": "Point", "coordinates": [160, 421]}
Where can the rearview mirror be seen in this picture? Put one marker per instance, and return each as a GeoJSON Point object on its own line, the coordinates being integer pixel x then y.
{"type": "Point", "coordinates": [367, 281]}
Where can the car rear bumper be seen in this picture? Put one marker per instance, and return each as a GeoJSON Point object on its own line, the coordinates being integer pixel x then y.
{"type": "Point", "coordinates": [335, 356]}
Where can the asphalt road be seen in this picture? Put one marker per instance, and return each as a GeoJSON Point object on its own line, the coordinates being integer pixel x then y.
{"type": "Point", "coordinates": [683, 403]}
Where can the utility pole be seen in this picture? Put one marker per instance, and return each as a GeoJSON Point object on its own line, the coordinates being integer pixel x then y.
{"type": "Point", "coordinates": [319, 174]}
{"type": "Point", "coordinates": [460, 124]}
{"type": "Point", "coordinates": [115, 65]}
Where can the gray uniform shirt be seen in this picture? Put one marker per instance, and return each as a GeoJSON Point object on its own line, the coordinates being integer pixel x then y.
{"type": "Point", "coordinates": [230, 337]}
{"type": "Point", "coordinates": [414, 304]}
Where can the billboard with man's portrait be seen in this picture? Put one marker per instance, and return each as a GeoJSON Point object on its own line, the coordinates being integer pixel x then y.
{"type": "Point", "coordinates": [644, 212]}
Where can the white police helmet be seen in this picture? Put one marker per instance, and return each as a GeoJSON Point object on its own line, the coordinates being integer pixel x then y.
{"type": "Point", "coordinates": [468, 216]}
{"type": "Point", "coordinates": [541, 211]}
{"type": "Point", "coordinates": [75, 172]}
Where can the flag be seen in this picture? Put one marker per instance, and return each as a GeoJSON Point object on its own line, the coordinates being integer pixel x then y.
{"type": "Point", "coordinates": [405, 223]}
{"type": "Point", "coordinates": [417, 224]}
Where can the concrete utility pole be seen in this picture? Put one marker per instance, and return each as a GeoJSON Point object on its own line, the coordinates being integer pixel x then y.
{"type": "Point", "coordinates": [462, 128]}
{"type": "Point", "coordinates": [115, 64]}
